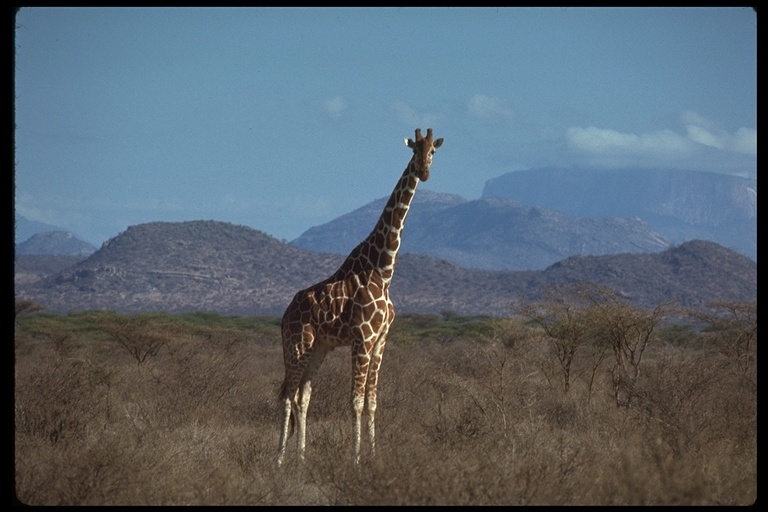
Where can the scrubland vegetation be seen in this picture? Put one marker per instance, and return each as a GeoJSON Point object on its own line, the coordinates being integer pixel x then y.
{"type": "Point", "coordinates": [578, 399]}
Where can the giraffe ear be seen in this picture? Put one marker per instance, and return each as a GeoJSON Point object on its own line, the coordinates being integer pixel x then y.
{"type": "Point", "coordinates": [437, 143]}
{"type": "Point", "coordinates": [409, 142]}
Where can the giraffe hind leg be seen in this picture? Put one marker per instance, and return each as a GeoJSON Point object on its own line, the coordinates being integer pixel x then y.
{"type": "Point", "coordinates": [287, 420]}
{"type": "Point", "coordinates": [295, 365]}
{"type": "Point", "coordinates": [316, 359]}
{"type": "Point", "coordinates": [295, 396]}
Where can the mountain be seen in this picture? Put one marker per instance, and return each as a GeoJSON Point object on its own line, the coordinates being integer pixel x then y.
{"type": "Point", "coordinates": [25, 228]}
{"type": "Point", "coordinates": [489, 234]}
{"type": "Point", "coordinates": [184, 266]}
{"type": "Point", "coordinates": [229, 269]}
{"type": "Point", "coordinates": [343, 233]}
{"type": "Point", "coordinates": [680, 204]}
{"type": "Point", "coordinates": [55, 243]}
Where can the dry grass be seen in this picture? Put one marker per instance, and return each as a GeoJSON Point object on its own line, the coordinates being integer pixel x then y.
{"type": "Point", "coordinates": [475, 420]}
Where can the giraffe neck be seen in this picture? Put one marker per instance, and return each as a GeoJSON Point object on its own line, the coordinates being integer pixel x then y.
{"type": "Point", "coordinates": [379, 250]}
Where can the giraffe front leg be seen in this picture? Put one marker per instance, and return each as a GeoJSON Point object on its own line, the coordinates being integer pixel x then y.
{"type": "Point", "coordinates": [357, 404]}
{"type": "Point", "coordinates": [305, 393]}
{"type": "Point", "coordinates": [371, 425]}
{"type": "Point", "coordinates": [360, 361]}
{"type": "Point", "coordinates": [372, 387]}
{"type": "Point", "coordinates": [285, 429]}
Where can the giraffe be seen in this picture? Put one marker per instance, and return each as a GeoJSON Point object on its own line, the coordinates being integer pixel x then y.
{"type": "Point", "coordinates": [350, 308]}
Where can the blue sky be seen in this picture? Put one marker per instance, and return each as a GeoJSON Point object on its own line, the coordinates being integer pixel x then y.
{"type": "Point", "coordinates": [285, 118]}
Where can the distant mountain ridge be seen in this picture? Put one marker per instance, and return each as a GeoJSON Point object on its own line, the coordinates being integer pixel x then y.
{"type": "Point", "coordinates": [25, 228]}
{"type": "Point", "coordinates": [229, 269]}
{"type": "Point", "coordinates": [55, 242]}
{"type": "Point", "coordinates": [680, 204]}
{"type": "Point", "coordinates": [488, 234]}
{"type": "Point", "coordinates": [527, 220]}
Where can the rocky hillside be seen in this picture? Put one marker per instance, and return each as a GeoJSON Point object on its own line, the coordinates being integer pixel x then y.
{"type": "Point", "coordinates": [489, 234]}
{"type": "Point", "coordinates": [185, 266]}
{"type": "Point", "coordinates": [220, 267]}
{"type": "Point", "coordinates": [29, 268]}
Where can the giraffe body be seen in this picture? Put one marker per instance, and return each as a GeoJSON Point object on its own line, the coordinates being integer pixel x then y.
{"type": "Point", "coordinates": [350, 308]}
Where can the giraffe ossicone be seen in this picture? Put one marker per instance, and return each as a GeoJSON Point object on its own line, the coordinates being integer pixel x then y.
{"type": "Point", "coordinates": [350, 308]}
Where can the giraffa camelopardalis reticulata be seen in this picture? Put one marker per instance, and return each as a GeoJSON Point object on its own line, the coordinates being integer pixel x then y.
{"type": "Point", "coordinates": [350, 308]}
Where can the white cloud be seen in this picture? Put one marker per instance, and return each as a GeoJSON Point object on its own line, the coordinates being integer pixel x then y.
{"type": "Point", "coordinates": [487, 107]}
{"type": "Point", "coordinates": [691, 117]}
{"type": "Point", "coordinates": [606, 142]}
{"type": "Point", "coordinates": [703, 136]}
{"type": "Point", "coordinates": [705, 132]}
{"type": "Point", "coordinates": [703, 144]}
{"type": "Point", "coordinates": [745, 141]}
{"type": "Point", "coordinates": [335, 106]}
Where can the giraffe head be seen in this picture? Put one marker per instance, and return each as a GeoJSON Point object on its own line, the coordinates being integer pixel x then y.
{"type": "Point", "coordinates": [423, 149]}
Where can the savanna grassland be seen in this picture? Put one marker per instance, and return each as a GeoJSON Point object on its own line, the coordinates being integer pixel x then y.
{"type": "Point", "coordinates": [565, 402]}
